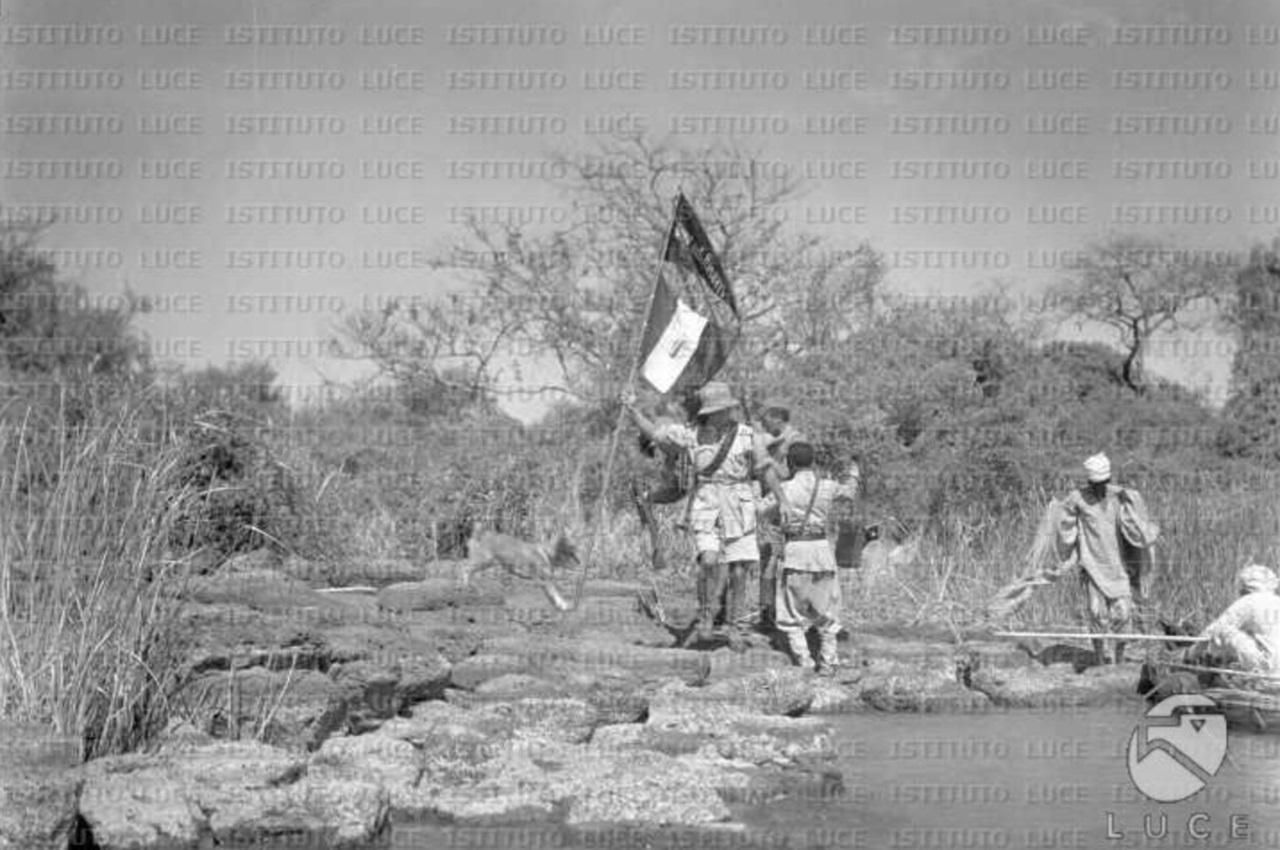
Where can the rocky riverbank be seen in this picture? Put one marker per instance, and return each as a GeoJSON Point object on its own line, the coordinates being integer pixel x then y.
{"type": "Point", "coordinates": [322, 714]}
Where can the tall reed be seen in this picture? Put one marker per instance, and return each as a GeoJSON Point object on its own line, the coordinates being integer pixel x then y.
{"type": "Point", "coordinates": [89, 628]}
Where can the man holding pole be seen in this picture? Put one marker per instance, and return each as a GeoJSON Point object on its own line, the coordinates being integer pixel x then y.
{"type": "Point", "coordinates": [722, 507]}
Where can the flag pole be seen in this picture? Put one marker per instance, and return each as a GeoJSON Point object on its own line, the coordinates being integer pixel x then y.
{"type": "Point", "coordinates": [622, 411]}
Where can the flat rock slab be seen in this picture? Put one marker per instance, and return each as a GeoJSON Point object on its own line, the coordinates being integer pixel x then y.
{"type": "Point", "coordinates": [230, 791]}
{"type": "Point", "coordinates": [228, 635]}
{"type": "Point", "coordinates": [294, 710]}
{"type": "Point", "coordinates": [434, 595]}
{"type": "Point", "coordinates": [472, 672]}
{"type": "Point", "coordinates": [727, 665]}
{"type": "Point", "coordinates": [39, 786]}
{"type": "Point", "coordinates": [542, 652]}
{"type": "Point", "coordinates": [261, 590]}
{"type": "Point", "coordinates": [919, 691]}
{"type": "Point", "coordinates": [374, 572]}
{"type": "Point", "coordinates": [787, 691]}
{"type": "Point", "coordinates": [1006, 655]}
{"type": "Point", "coordinates": [588, 785]}
{"type": "Point", "coordinates": [453, 634]}
{"type": "Point", "coordinates": [922, 654]}
{"type": "Point", "coordinates": [1059, 686]}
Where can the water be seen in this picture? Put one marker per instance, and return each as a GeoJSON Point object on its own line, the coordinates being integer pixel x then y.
{"type": "Point", "coordinates": [999, 780]}
{"type": "Point", "coordinates": [1025, 780]}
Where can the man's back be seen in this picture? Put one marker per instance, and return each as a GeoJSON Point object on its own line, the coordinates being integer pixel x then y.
{"type": "Point", "coordinates": [1256, 615]}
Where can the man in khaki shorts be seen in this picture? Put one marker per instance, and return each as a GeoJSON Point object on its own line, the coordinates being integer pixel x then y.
{"type": "Point", "coordinates": [722, 507]}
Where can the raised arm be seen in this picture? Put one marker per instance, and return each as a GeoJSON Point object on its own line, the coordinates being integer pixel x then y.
{"type": "Point", "coordinates": [644, 423]}
{"type": "Point", "coordinates": [773, 485]}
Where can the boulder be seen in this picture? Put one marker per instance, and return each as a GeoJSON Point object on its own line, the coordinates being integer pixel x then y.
{"type": "Point", "coordinates": [530, 720]}
{"type": "Point", "coordinates": [1058, 686]}
{"type": "Point", "coordinates": [294, 710]}
{"type": "Point", "coordinates": [39, 786]}
{"type": "Point", "coordinates": [787, 691]}
{"type": "Point", "coordinates": [641, 787]}
{"type": "Point", "coordinates": [521, 783]}
{"type": "Point", "coordinates": [386, 651]}
{"type": "Point", "coordinates": [227, 636]}
{"type": "Point", "coordinates": [517, 686]}
{"type": "Point", "coordinates": [227, 792]}
{"type": "Point", "coordinates": [833, 696]}
{"type": "Point", "coordinates": [914, 690]}
{"type": "Point", "coordinates": [391, 762]}
{"type": "Point", "coordinates": [732, 730]}
{"type": "Point", "coordinates": [135, 801]}
{"type": "Point", "coordinates": [472, 672]}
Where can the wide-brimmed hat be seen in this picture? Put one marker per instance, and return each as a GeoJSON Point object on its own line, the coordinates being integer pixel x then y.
{"type": "Point", "coordinates": [1255, 578]}
{"type": "Point", "coordinates": [1098, 468]}
{"type": "Point", "coordinates": [714, 397]}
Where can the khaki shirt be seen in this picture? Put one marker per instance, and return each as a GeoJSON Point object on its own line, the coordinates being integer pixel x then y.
{"type": "Point", "coordinates": [809, 555]}
{"type": "Point", "coordinates": [727, 499]}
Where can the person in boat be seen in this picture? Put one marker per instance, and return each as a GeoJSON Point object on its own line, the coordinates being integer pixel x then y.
{"type": "Point", "coordinates": [1102, 525]}
{"type": "Point", "coordinates": [1246, 636]}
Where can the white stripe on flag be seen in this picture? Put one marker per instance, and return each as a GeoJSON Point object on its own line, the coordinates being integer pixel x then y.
{"type": "Point", "coordinates": [675, 348]}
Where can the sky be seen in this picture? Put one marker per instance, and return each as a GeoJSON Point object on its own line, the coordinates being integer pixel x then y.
{"type": "Point", "coordinates": [258, 169]}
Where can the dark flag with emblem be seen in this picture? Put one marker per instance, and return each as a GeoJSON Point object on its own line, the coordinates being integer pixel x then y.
{"type": "Point", "coordinates": [689, 248]}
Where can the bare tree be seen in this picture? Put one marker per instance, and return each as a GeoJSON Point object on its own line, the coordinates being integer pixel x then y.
{"type": "Point", "coordinates": [1139, 286]}
{"type": "Point", "coordinates": [575, 296]}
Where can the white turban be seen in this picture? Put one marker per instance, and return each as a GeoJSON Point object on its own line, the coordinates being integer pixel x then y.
{"type": "Point", "coordinates": [1256, 578]}
{"type": "Point", "coordinates": [1098, 468]}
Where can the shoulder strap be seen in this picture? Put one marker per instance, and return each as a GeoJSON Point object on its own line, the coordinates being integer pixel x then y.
{"type": "Point", "coordinates": [817, 484]}
{"type": "Point", "coordinates": [726, 443]}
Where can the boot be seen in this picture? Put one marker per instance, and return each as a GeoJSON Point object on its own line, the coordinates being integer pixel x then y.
{"type": "Point", "coordinates": [736, 615]}
{"type": "Point", "coordinates": [828, 653]}
{"type": "Point", "coordinates": [1099, 652]}
{"type": "Point", "coordinates": [799, 649]}
{"type": "Point", "coordinates": [767, 591]}
{"type": "Point", "coordinates": [710, 589]}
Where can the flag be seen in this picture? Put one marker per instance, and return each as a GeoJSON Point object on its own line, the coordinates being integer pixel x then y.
{"type": "Point", "coordinates": [679, 347]}
{"type": "Point", "coordinates": [689, 248]}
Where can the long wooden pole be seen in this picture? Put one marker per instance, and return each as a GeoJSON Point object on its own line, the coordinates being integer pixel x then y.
{"type": "Point", "coordinates": [617, 427]}
{"type": "Point", "coordinates": [1103, 636]}
{"type": "Point", "coordinates": [1226, 672]}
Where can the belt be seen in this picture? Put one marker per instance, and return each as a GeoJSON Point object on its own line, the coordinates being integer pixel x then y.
{"type": "Point", "coordinates": [803, 536]}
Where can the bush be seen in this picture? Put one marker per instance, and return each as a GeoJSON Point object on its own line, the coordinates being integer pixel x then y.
{"type": "Point", "coordinates": [246, 497]}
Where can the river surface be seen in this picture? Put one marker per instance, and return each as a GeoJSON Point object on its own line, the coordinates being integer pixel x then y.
{"type": "Point", "coordinates": [1028, 779]}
